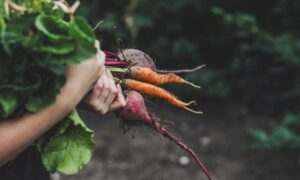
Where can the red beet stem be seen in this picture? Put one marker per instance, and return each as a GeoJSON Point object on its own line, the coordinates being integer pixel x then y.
{"type": "Point", "coordinates": [110, 54]}
{"type": "Point", "coordinates": [116, 64]}
{"type": "Point", "coordinates": [113, 60]}
{"type": "Point", "coordinates": [156, 125]}
{"type": "Point", "coordinates": [181, 70]}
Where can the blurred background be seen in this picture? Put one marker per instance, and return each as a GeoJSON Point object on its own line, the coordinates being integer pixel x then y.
{"type": "Point", "coordinates": [250, 89]}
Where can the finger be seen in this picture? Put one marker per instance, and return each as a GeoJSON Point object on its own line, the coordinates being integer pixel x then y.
{"type": "Point", "coordinates": [92, 97]}
{"type": "Point", "coordinates": [113, 89]}
{"type": "Point", "coordinates": [102, 108]}
{"type": "Point", "coordinates": [97, 44]}
{"type": "Point", "coordinates": [101, 57]}
{"type": "Point", "coordinates": [109, 75]}
{"type": "Point", "coordinates": [105, 89]}
{"type": "Point", "coordinates": [121, 97]}
{"type": "Point", "coordinates": [100, 54]}
{"type": "Point", "coordinates": [98, 87]}
{"type": "Point", "coordinates": [119, 102]}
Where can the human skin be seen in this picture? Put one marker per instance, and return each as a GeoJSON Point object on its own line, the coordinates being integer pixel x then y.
{"type": "Point", "coordinates": [88, 79]}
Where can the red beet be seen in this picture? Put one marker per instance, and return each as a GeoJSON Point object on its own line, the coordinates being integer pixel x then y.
{"type": "Point", "coordinates": [136, 111]}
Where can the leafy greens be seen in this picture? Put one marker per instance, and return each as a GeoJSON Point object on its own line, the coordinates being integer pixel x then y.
{"type": "Point", "coordinates": [35, 48]}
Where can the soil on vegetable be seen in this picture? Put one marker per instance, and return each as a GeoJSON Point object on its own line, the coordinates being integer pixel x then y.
{"type": "Point", "coordinates": [219, 137]}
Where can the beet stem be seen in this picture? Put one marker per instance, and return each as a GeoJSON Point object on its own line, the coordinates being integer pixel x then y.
{"type": "Point", "coordinates": [168, 135]}
{"type": "Point", "coordinates": [116, 64]}
{"type": "Point", "coordinates": [180, 70]}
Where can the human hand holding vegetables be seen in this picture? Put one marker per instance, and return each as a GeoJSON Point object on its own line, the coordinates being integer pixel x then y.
{"type": "Point", "coordinates": [105, 95]}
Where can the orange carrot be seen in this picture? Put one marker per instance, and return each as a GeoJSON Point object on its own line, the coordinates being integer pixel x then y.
{"type": "Point", "coordinates": [145, 74]}
{"type": "Point", "coordinates": [155, 91]}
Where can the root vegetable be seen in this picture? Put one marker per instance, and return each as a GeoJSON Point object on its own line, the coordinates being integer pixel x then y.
{"type": "Point", "coordinates": [136, 111]}
{"type": "Point", "coordinates": [147, 75]}
{"type": "Point", "coordinates": [155, 91]}
{"type": "Point", "coordinates": [138, 58]}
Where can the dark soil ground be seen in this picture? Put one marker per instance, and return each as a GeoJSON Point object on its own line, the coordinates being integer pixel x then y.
{"type": "Point", "coordinates": [219, 137]}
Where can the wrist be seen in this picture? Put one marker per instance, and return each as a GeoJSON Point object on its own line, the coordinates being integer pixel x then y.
{"type": "Point", "coordinates": [69, 97]}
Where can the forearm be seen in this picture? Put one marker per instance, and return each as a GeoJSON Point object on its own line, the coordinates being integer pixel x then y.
{"type": "Point", "coordinates": [17, 134]}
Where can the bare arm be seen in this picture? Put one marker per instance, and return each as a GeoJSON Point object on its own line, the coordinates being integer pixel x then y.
{"type": "Point", "coordinates": [17, 134]}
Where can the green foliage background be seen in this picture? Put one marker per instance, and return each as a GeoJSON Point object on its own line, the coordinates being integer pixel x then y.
{"type": "Point", "coordinates": [252, 48]}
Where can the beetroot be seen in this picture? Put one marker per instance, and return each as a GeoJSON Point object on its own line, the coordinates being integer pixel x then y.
{"type": "Point", "coordinates": [136, 111]}
{"type": "Point", "coordinates": [138, 58]}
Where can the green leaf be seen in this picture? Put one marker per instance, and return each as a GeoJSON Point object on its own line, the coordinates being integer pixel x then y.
{"type": "Point", "coordinates": [81, 29]}
{"type": "Point", "coordinates": [8, 105]}
{"type": "Point", "coordinates": [282, 136]}
{"type": "Point", "coordinates": [56, 68]}
{"type": "Point", "coordinates": [2, 10]}
{"type": "Point", "coordinates": [22, 88]}
{"type": "Point", "coordinates": [291, 119]}
{"type": "Point", "coordinates": [261, 138]}
{"type": "Point", "coordinates": [55, 29]}
{"type": "Point", "coordinates": [84, 46]}
{"type": "Point", "coordinates": [47, 97]}
{"type": "Point", "coordinates": [9, 38]}
{"type": "Point", "coordinates": [2, 24]}
{"type": "Point", "coordinates": [82, 52]}
{"type": "Point", "coordinates": [58, 48]}
{"type": "Point", "coordinates": [71, 148]}
{"type": "Point", "coordinates": [36, 104]}
{"type": "Point", "coordinates": [57, 130]}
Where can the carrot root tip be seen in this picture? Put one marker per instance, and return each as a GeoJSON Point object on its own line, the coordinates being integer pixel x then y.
{"type": "Point", "coordinates": [193, 111]}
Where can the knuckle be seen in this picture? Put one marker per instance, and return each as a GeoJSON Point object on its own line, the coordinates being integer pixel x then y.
{"type": "Point", "coordinates": [97, 87]}
{"type": "Point", "coordinates": [123, 104]}
{"type": "Point", "coordinates": [114, 91]}
{"type": "Point", "coordinates": [103, 111]}
{"type": "Point", "coordinates": [100, 110]}
{"type": "Point", "coordinates": [106, 88]}
{"type": "Point", "coordinates": [94, 103]}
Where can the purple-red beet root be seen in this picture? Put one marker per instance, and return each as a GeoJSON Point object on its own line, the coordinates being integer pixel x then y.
{"type": "Point", "coordinates": [138, 58]}
{"type": "Point", "coordinates": [136, 111]}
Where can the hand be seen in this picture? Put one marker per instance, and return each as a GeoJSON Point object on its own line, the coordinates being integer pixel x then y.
{"type": "Point", "coordinates": [81, 78]}
{"type": "Point", "coordinates": [105, 96]}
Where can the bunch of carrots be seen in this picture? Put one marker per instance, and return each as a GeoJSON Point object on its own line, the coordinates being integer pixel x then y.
{"type": "Point", "coordinates": [137, 74]}
{"type": "Point", "coordinates": [145, 80]}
